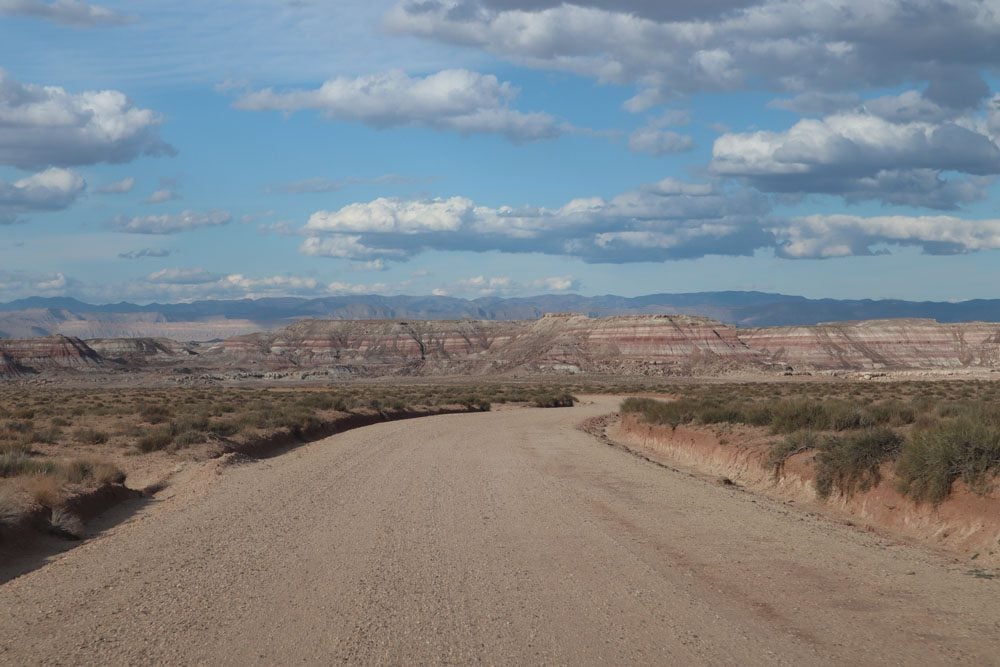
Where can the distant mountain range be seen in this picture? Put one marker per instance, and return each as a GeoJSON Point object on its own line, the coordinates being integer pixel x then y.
{"type": "Point", "coordinates": [203, 320]}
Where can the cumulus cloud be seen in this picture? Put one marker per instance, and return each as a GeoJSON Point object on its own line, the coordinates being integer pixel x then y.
{"type": "Point", "coordinates": [170, 224]}
{"type": "Point", "coordinates": [18, 284]}
{"type": "Point", "coordinates": [456, 99]}
{"type": "Point", "coordinates": [823, 236]}
{"type": "Point", "coordinates": [196, 276]}
{"type": "Point", "coordinates": [666, 220]}
{"type": "Point", "coordinates": [44, 126]}
{"type": "Point", "coordinates": [144, 253]}
{"type": "Point", "coordinates": [50, 190]}
{"type": "Point", "coordinates": [891, 152]}
{"type": "Point", "coordinates": [69, 12]}
{"type": "Point", "coordinates": [659, 142]}
{"type": "Point", "coordinates": [162, 195]}
{"type": "Point", "coordinates": [505, 286]}
{"type": "Point", "coordinates": [121, 187]}
{"type": "Point", "coordinates": [669, 49]}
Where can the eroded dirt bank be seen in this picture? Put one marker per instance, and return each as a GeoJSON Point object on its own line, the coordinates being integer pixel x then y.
{"type": "Point", "coordinates": [507, 538]}
{"type": "Point", "coordinates": [966, 523]}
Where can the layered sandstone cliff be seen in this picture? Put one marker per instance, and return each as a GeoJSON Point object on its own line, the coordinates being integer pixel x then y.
{"type": "Point", "coordinates": [879, 344]}
{"type": "Point", "coordinates": [141, 350]}
{"type": "Point", "coordinates": [651, 345]}
{"type": "Point", "coordinates": [49, 352]}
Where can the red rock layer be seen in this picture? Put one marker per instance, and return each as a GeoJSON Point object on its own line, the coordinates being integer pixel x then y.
{"type": "Point", "coordinates": [53, 351]}
{"type": "Point", "coordinates": [879, 344]}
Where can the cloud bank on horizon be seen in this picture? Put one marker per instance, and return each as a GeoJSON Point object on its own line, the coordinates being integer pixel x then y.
{"type": "Point", "coordinates": [475, 147]}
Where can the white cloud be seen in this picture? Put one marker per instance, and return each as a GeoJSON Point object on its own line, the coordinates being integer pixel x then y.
{"type": "Point", "coordinates": [659, 142]}
{"type": "Point", "coordinates": [505, 286]}
{"type": "Point", "coordinates": [50, 190]}
{"type": "Point", "coordinates": [862, 155]}
{"type": "Point", "coordinates": [19, 284]}
{"type": "Point", "coordinates": [456, 99]}
{"type": "Point", "coordinates": [118, 187]}
{"type": "Point", "coordinates": [46, 125]}
{"type": "Point", "coordinates": [170, 224]}
{"type": "Point", "coordinates": [391, 215]}
{"type": "Point", "coordinates": [788, 45]}
{"type": "Point", "coordinates": [687, 219]}
{"type": "Point", "coordinates": [144, 253]}
{"type": "Point", "coordinates": [196, 276]}
{"type": "Point", "coordinates": [162, 195]}
{"type": "Point", "coordinates": [69, 12]}
{"type": "Point", "coordinates": [822, 236]}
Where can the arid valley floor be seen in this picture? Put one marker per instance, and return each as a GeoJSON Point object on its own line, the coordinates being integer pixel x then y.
{"type": "Point", "coordinates": [641, 490]}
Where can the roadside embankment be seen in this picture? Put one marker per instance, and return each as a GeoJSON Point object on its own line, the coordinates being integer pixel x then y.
{"type": "Point", "coordinates": [965, 523]}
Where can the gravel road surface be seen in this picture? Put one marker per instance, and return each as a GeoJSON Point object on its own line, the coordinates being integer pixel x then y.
{"type": "Point", "coordinates": [504, 538]}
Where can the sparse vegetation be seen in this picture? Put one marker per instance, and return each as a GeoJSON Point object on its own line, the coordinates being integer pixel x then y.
{"type": "Point", "coordinates": [933, 433]}
{"type": "Point", "coordinates": [52, 440]}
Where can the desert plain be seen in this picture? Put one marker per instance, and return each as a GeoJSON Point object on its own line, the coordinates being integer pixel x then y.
{"type": "Point", "coordinates": [571, 490]}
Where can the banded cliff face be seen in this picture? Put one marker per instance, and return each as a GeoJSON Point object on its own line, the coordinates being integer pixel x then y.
{"type": "Point", "coordinates": [879, 344]}
{"type": "Point", "coordinates": [49, 352]}
{"type": "Point", "coordinates": [624, 345]}
{"type": "Point", "coordinates": [367, 342]}
{"type": "Point", "coordinates": [642, 344]}
{"type": "Point", "coordinates": [560, 342]}
{"type": "Point", "coordinates": [140, 350]}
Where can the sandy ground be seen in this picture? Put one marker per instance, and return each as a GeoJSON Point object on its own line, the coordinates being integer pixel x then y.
{"type": "Point", "coordinates": [504, 538]}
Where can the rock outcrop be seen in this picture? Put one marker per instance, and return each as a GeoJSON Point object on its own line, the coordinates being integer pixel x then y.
{"type": "Point", "coordinates": [879, 344]}
{"type": "Point", "coordinates": [565, 342]}
{"type": "Point", "coordinates": [49, 352]}
{"type": "Point", "coordinates": [141, 350]}
{"type": "Point", "coordinates": [634, 345]}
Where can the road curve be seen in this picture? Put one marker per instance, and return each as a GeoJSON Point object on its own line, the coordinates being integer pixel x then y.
{"type": "Point", "coordinates": [504, 538]}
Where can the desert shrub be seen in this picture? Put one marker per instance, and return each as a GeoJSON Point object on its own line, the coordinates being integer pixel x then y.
{"type": "Point", "coordinates": [155, 439]}
{"type": "Point", "coordinates": [17, 463]}
{"type": "Point", "coordinates": [188, 438]}
{"type": "Point", "coordinates": [89, 436]}
{"type": "Point", "coordinates": [187, 423]}
{"type": "Point", "coordinates": [155, 413]}
{"type": "Point", "coordinates": [672, 413]}
{"type": "Point", "coordinates": [317, 401]}
{"type": "Point", "coordinates": [48, 436]}
{"type": "Point", "coordinates": [554, 400]}
{"type": "Point", "coordinates": [933, 458]}
{"type": "Point", "coordinates": [794, 443]}
{"type": "Point", "coordinates": [224, 427]}
{"type": "Point", "coordinates": [789, 416]}
{"type": "Point", "coordinates": [103, 472]}
{"type": "Point", "coordinates": [44, 489]}
{"type": "Point", "coordinates": [851, 462]}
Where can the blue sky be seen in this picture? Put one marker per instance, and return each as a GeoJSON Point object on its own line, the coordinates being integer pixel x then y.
{"type": "Point", "coordinates": [247, 148]}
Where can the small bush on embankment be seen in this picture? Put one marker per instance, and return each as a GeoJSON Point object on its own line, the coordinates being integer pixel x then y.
{"type": "Point", "coordinates": [959, 448]}
{"type": "Point", "coordinates": [852, 462]}
{"type": "Point", "coordinates": [932, 443]}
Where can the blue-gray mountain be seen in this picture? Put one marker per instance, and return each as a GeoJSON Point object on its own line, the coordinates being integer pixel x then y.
{"type": "Point", "coordinates": [203, 320]}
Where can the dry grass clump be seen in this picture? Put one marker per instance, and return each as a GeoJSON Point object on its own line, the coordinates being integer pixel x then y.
{"type": "Point", "coordinates": [963, 446]}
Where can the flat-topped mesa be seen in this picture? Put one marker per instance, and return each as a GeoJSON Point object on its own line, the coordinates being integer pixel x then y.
{"type": "Point", "coordinates": [880, 344]}
{"type": "Point", "coordinates": [140, 350]}
{"type": "Point", "coordinates": [631, 344]}
{"type": "Point", "coordinates": [349, 342]}
{"type": "Point", "coordinates": [50, 352]}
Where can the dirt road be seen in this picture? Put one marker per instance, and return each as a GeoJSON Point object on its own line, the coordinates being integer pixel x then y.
{"type": "Point", "coordinates": [504, 538]}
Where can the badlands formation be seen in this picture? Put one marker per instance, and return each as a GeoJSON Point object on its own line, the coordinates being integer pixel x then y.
{"type": "Point", "coordinates": [642, 345]}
